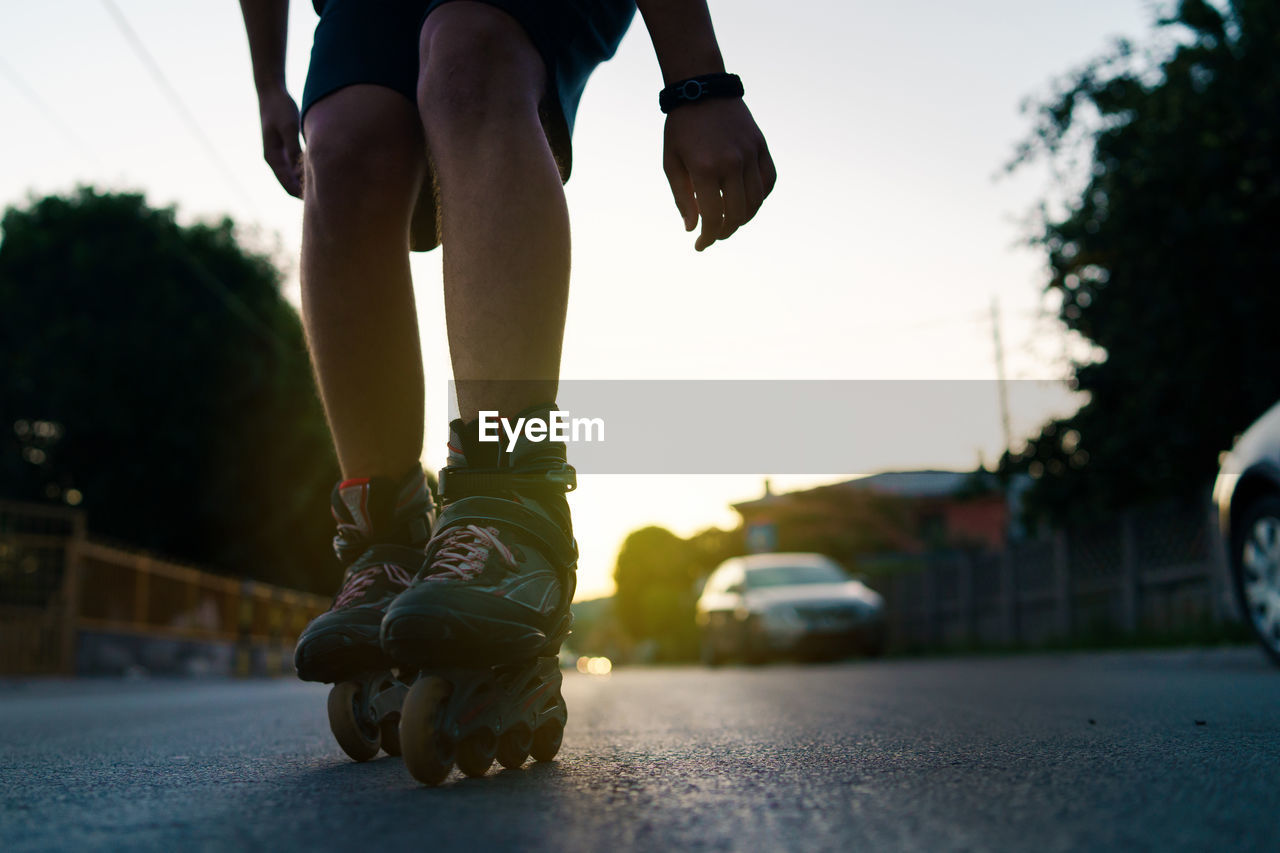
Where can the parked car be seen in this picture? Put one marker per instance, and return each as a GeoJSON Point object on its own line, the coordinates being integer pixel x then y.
{"type": "Point", "coordinates": [1247, 498]}
{"type": "Point", "coordinates": [805, 605]}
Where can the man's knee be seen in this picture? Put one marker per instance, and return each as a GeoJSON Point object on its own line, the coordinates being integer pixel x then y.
{"type": "Point", "coordinates": [477, 62]}
{"type": "Point", "coordinates": [368, 141]}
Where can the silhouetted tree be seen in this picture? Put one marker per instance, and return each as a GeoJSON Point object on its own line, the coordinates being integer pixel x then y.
{"type": "Point", "coordinates": [656, 577]}
{"type": "Point", "coordinates": [1167, 260]}
{"type": "Point", "coordinates": [154, 372]}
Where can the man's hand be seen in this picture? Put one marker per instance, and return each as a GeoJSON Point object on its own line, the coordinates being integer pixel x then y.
{"type": "Point", "coordinates": [280, 145]}
{"type": "Point", "coordinates": [719, 166]}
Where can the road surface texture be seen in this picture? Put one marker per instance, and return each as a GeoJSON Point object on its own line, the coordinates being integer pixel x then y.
{"type": "Point", "coordinates": [1135, 751]}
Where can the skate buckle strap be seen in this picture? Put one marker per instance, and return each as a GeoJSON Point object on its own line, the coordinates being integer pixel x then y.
{"type": "Point", "coordinates": [470, 482]}
{"type": "Point", "coordinates": [484, 511]}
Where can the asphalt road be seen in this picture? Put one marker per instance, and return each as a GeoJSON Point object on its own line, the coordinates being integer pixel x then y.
{"type": "Point", "coordinates": [1135, 751]}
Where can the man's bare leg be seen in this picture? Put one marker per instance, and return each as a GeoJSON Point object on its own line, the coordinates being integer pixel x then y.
{"type": "Point", "coordinates": [503, 213]}
{"type": "Point", "coordinates": [365, 163]}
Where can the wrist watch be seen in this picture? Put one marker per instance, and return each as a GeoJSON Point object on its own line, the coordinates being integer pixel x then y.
{"type": "Point", "coordinates": [699, 88]}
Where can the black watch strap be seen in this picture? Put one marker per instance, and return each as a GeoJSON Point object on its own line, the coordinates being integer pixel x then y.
{"type": "Point", "coordinates": [699, 88]}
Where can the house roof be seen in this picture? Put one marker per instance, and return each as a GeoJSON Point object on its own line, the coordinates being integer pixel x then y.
{"type": "Point", "coordinates": [912, 484]}
{"type": "Point", "coordinates": [915, 484]}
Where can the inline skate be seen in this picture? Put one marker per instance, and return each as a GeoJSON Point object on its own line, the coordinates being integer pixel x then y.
{"type": "Point", "coordinates": [383, 528]}
{"type": "Point", "coordinates": [482, 622]}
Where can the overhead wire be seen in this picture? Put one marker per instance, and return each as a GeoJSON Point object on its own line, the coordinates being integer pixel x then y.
{"type": "Point", "coordinates": [43, 107]}
{"type": "Point", "coordinates": [215, 286]}
{"type": "Point", "coordinates": [175, 100]}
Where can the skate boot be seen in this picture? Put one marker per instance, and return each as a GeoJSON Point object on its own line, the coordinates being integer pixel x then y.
{"type": "Point", "coordinates": [483, 620]}
{"type": "Point", "coordinates": [382, 530]}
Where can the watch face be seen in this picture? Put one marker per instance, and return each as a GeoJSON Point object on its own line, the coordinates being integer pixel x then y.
{"type": "Point", "coordinates": [691, 90]}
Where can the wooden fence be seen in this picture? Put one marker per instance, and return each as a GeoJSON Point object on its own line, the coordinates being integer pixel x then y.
{"type": "Point", "coordinates": [1145, 573]}
{"type": "Point", "coordinates": [62, 596]}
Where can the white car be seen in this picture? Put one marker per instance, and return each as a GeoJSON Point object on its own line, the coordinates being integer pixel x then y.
{"type": "Point", "coordinates": [805, 605]}
{"type": "Point", "coordinates": [1247, 497]}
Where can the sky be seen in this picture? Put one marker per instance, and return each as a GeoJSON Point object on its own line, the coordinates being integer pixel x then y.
{"type": "Point", "coordinates": [890, 233]}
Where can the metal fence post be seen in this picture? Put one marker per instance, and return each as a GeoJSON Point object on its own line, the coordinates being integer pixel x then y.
{"type": "Point", "coordinates": [275, 632]}
{"type": "Point", "coordinates": [1129, 575]}
{"type": "Point", "coordinates": [72, 554]}
{"type": "Point", "coordinates": [141, 590]}
{"type": "Point", "coordinates": [1008, 595]}
{"type": "Point", "coordinates": [244, 628]}
{"type": "Point", "coordinates": [897, 620]}
{"type": "Point", "coordinates": [930, 602]}
{"type": "Point", "coordinates": [1062, 583]}
{"type": "Point", "coordinates": [967, 604]}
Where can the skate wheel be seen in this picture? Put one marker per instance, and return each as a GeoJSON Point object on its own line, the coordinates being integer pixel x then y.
{"type": "Point", "coordinates": [428, 752]}
{"type": "Point", "coordinates": [390, 729]}
{"type": "Point", "coordinates": [546, 740]}
{"type": "Point", "coordinates": [358, 739]}
{"type": "Point", "coordinates": [513, 747]}
{"type": "Point", "coordinates": [475, 753]}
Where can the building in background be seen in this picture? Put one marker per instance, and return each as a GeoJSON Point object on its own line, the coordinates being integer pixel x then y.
{"type": "Point", "coordinates": [891, 516]}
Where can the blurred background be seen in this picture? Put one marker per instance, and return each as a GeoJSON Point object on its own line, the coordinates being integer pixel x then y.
{"type": "Point", "coordinates": [1067, 191]}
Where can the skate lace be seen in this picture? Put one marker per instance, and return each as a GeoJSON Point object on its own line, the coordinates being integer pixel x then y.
{"type": "Point", "coordinates": [464, 550]}
{"type": "Point", "coordinates": [359, 583]}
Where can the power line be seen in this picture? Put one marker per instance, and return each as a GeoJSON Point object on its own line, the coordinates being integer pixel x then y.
{"type": "Point", "coordinates": [233, 303]}
{"type": "Point", "coordinates": [47, 111]}
{"type": "Point", "coordinates": [954, 318]}
{"type": "Point", "coordinates": [202, 274]}
{"type": "Point", "coordinates": [175, 100]}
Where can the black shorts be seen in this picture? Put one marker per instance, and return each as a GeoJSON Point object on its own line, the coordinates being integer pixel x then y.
{"type": "Point", "coordinates": [376, 42]}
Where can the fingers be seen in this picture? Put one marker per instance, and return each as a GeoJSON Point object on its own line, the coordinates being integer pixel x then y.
{"type": "Point", "coordinates": [753, 187]}
{"type": "Point", "coordinates": [768, 174]}
{"type": "Point", "coordinates": [744, 194]}
{"type": "Point", "coordinates": [284, 155]}
{"type": "Point", "coordinates": [735, 205]}
{"type": "Point", "coordinates": [681, 190]}
{"type": "Point", "coordinates": [711, 207]}
{"type": "Point", "coordinates": [719, 168]}
{"type": "Point", "coordinates": [284, 172]}
{"type": "Point", "coordinates": [293, 156]}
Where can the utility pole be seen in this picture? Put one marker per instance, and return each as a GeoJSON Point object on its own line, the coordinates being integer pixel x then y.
{"type": "Point", "coordinates": [1002, 382]}
{"type": "Point", "coordinates": [1013, 527]}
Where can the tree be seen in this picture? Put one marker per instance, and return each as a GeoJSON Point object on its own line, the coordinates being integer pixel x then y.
{"type": "Point", "coordinates": [658, 578]}
{"type": "Point", "coordinates": [1166, 260]}
{"type": "Point", "coordinates": [154, 373]}
{"type": "Point", "coordinates": [655, 577]}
